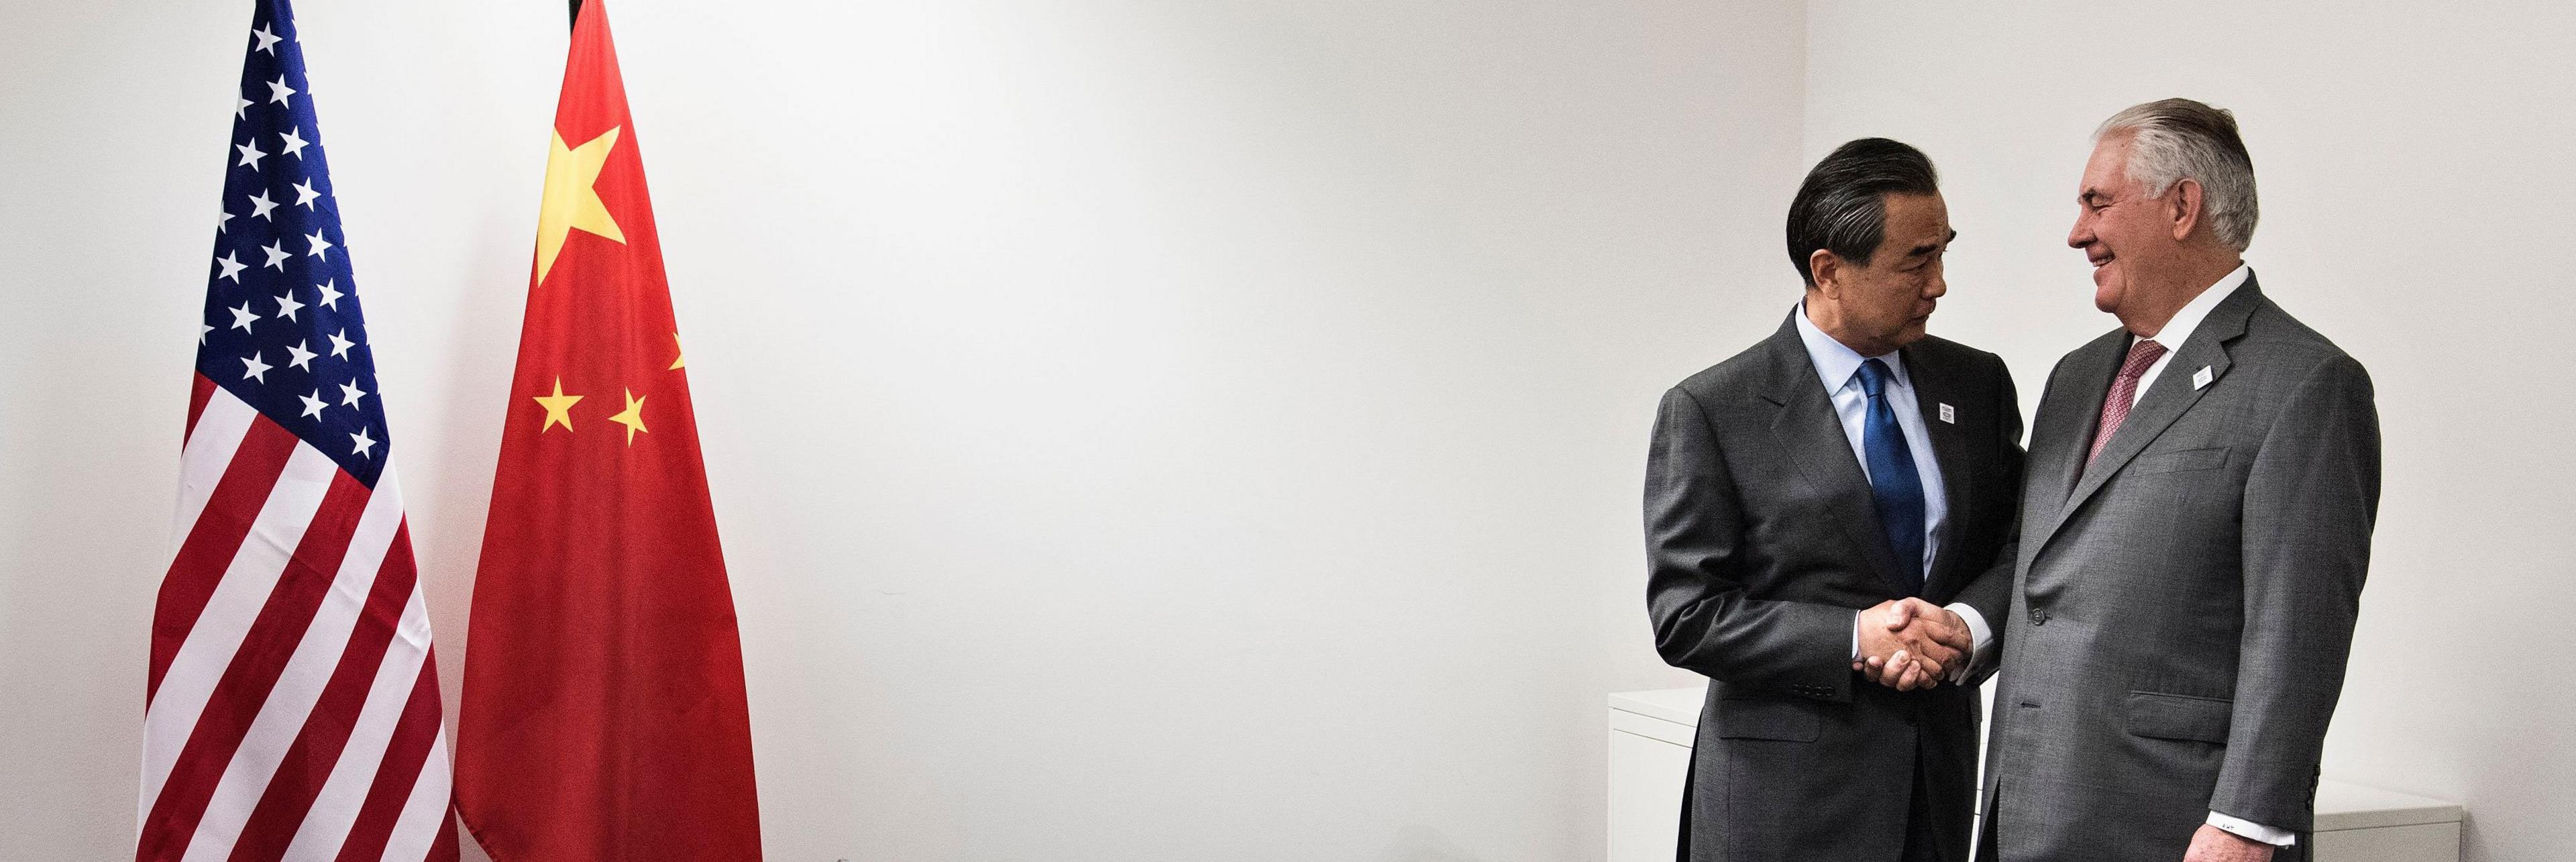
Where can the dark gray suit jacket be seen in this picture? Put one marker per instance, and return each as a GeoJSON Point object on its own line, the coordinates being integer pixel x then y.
{"type": "Point", "coordinates": [1761, 542]}
{"type": "Point", "coordinates": [2183, 607]}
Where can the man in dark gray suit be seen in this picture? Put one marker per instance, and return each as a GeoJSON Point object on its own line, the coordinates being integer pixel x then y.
{"type": "Point", "coordinates": [1833, 508]}
{"type": "Point", "coordinates": [2195, 530]}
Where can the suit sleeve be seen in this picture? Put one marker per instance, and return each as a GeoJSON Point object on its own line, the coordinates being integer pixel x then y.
{"type": "Point", "coordinates": [2311, 498]}
{"type": "Point", "coordinates": [1695, 583]}
{"type": "Point", "coordinates": [1990, 592]}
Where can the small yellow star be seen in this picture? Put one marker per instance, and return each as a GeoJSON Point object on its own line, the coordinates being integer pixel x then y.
{"type": "Point", "coordinates": [558, 407]}
{"type": "Point", "coordinates": [572, 198]}
{"type": "Point", "coordinates": [633, 418]}
{"type": "Point", "coordinates": [679, 357]}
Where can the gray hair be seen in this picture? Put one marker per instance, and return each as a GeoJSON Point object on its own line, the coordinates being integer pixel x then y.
{"type": "Point", "coordinates": [2178, 139]}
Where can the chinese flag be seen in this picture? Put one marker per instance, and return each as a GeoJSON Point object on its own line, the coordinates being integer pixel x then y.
{"type": "Point", "coordinates": [603, 713]}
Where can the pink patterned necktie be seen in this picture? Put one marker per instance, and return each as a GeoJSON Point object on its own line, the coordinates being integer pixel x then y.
{"type": "Point", "coordinates": [2124, 391]}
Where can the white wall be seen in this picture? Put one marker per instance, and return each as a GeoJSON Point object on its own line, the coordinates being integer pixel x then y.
{"type": "Point", "coordinates": [2414, 173]}
{"type": "Point", "coordinates": [1139, 430]}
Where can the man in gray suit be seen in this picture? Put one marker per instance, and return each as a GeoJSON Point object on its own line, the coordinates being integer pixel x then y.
{"type": "Point", "coordinates": [1832, 508]}
{"type": "Point", "coordinates": [2195, 530]}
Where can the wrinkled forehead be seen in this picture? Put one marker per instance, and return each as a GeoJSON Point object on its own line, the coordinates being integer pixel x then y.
{"type": "Point", "coordinates": [2107, 170]}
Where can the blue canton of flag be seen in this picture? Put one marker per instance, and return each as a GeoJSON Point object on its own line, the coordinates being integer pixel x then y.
{"type": "Point", "coordinates": [282, 328]}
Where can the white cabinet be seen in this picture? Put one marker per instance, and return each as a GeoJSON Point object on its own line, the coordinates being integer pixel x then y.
{"type": "Point", "coordinates": [2367, 824]}
{"type": "Point", "coordinates": [1650, 747]}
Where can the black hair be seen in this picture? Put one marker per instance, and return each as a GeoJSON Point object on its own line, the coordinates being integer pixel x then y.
{"type": "Point", "coordinates": [1842, 207]}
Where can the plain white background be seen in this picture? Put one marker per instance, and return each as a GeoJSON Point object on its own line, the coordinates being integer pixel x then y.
{"type": "Point", "coordinates": [1162, 430]}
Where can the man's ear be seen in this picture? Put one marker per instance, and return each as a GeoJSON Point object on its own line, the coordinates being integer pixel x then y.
{"type": "Point", "coordinates": [2183, 204]}
{"type": "Point", "coordinates": [1827, 268]}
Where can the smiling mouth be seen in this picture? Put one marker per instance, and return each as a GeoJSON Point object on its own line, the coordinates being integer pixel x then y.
{"type": "Point", "coordinates": [2098, 262]}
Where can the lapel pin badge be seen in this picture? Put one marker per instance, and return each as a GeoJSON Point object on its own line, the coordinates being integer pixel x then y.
{"type": "Point", "coordinates": [2201, 378]}
{"type": "Point", "coordinates": [1949, 415]}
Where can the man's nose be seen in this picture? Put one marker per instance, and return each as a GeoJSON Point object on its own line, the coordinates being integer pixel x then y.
{"type": "Point", "coordinates": [2081, 234]}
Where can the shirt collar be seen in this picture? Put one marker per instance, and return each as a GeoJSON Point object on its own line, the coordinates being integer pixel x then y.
{"type": "Point", "coordinates": [1836, 362]}
{"type": "Point", "coordinates": [2179, 329]}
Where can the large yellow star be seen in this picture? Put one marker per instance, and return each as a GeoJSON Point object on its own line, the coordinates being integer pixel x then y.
{"type": "Point", "coordinates": [558, 408]}
{"type": "Point", "coordinates": [571, 201]}
{"type": "Point", "coordinates": [633, 418]}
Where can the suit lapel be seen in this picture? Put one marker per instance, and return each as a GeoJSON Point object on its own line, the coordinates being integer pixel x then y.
{"type": "Point", "coordinates": [1933, 387]}
{"type": "Point", "coordinates": [2062, 432]}
{"type": "Point", "coordinates": [1807, 428]}
{"type": "Point", "coordinates": [2172, 395]}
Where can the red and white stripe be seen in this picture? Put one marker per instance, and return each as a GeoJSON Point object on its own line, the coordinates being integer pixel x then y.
{"type": "Point", "coordinates": [292, 704]}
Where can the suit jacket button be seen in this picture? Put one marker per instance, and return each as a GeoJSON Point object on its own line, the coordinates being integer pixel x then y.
{"type": "Point", "coordinates": [2038, 617]}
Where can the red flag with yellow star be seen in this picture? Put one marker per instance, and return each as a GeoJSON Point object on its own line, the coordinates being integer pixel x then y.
{"type": "Point", "coordinates": [603, 715]}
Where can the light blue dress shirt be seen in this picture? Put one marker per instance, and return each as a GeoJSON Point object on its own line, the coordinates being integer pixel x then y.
{"type": "Point", "coordinates": [1838, 366]}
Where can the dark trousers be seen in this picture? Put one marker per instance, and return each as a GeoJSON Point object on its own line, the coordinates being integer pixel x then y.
{"type": "Point", "coordinates": [1921, 845]}
{"type": "Point", "coordinates": [1986, 851]}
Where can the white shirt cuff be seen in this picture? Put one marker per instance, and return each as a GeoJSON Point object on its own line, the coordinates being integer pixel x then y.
{"type": "Point", "coordinates": [1856, 635]}
{"type": "Point", "coordinates": [1981, 652]}
{"type": "Point", "coordinates": [2248, 829]}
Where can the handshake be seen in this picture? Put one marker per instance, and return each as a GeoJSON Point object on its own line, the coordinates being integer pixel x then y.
{"type": "Point", "coordinates": [1910, 644]}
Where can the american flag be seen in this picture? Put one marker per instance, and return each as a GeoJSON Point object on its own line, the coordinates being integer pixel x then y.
{"type": "Point", "coordinates": [292, 708]}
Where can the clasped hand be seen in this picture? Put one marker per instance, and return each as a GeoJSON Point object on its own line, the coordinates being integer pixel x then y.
{"type": "Point", "coordinates": [1911, 644]}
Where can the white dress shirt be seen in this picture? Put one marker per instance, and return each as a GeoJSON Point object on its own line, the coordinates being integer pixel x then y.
{"type": "Point", "coordinates": [2174, 333]}
{"type": "Point", "coordinates": [2179, 329]}
{"type": "Point", "coordinates": [1838, 366]}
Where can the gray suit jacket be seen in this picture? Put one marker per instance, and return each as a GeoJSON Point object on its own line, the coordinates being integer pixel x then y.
{"type": "Point", "coordinates": [2183, 607]}
{"type": "Point", "coordinates": [1761, 542]}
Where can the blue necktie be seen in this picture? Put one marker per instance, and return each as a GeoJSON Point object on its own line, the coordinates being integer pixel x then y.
{"type": "Point", "coordinates": [1893, 483]}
